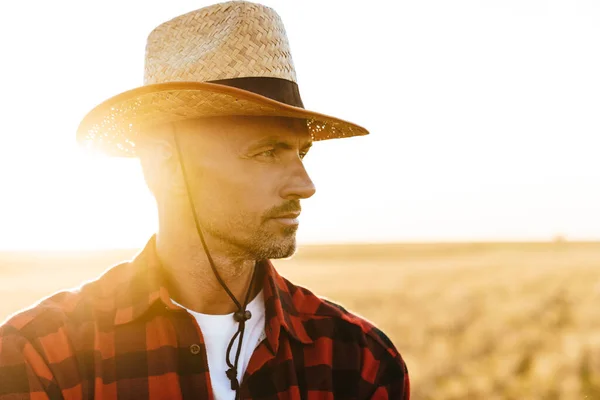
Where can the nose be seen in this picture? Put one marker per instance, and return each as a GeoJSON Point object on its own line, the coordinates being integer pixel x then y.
{"type": "Point", "coordinates": [299, 185]}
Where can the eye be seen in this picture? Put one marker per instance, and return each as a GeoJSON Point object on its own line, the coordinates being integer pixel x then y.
{"type": "Point", "coordinates": [266, 153]}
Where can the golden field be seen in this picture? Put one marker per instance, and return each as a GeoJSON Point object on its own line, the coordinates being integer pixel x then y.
{"type": "Point", "coordinates": [472, 321]}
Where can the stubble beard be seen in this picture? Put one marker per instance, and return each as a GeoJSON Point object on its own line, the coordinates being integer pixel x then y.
{"type": "Point", "coordinates": [262, 244]}
{"type": "Point", "coordinates": [266, 245]}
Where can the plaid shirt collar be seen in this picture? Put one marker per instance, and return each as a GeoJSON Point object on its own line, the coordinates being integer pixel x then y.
{"type": "Point", "coordinates": [144, 286]}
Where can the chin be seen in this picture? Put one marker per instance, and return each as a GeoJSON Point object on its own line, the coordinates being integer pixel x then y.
{"type": "Point", "coordinates": [286, 252]}
{"type": "Point", "coordinates": [275, 248]}
{"type": "Point", "coordinates": [283, 249]}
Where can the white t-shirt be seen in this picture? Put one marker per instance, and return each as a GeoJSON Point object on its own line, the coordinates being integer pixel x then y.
{"type": "Point", "coordinates": [217, 331]}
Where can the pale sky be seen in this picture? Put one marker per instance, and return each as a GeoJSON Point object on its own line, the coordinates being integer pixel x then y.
{"type": "Point", "coordinates": [484, 119]}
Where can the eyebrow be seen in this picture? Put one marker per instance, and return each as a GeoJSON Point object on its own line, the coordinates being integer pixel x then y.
{"type": "Point", "coordinates": [278, 143]}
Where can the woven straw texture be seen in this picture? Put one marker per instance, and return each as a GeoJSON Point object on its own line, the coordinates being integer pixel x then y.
{"type": "Point", "coordinates": [229, 40]}
{"type": "Point", "coordinates": [224, 41]}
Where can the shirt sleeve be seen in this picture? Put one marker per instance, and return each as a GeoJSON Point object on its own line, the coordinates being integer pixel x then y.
{"type": "Point", "coordinates": [23, 372]}
{"type": "Point", "coordinates": [384, 367]}
{"type": "Point", "coordinates": [396, 389]}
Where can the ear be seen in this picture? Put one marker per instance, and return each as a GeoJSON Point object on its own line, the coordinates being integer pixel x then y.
{"type": "Point", "coordinates": [157, 148]}
{"type": "Point", "coordinates": [155, 153]}
{"type": "Point", "coordinates": [159, 161]}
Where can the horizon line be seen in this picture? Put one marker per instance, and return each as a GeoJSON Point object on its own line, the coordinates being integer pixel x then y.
{"type": "Point", "coordinates": [506, 241]}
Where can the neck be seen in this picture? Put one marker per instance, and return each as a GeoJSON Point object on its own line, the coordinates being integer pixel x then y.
{"type": "Point", "coordinates": [191, 281]}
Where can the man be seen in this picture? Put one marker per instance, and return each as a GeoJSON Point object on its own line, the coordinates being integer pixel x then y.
{"type": "Point", "coordinates": [221, 132]}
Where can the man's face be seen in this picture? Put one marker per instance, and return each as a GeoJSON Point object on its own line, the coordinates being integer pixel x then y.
{"type": "Point", "coordinates": [247, 178]}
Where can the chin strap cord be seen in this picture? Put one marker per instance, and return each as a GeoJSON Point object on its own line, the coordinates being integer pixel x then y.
{"type": "Point", "coordinates": [241, 315]}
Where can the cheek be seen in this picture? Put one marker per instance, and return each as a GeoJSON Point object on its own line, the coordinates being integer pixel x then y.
{"type": "Point", "coordinates": [238, 191]}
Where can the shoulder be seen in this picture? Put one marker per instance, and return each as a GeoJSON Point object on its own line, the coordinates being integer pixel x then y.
{"type": "Point", "coordinates": [33, 339]}
{"type": "Point", "coordinates": [314, 309]}
{"type": "Point", "coordinates": [65, 309]}
{"type": "Point", "coordinates": [351, 333]}
{"type": "Point", "coordinates": [54, 337]}
{"type": "Point", "coordinates": [352, 326]}
{"type": "Point", "coordinates": [44, 317]}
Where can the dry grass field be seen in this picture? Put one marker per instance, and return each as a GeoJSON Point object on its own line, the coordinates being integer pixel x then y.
{"type": "Point", "coordinates": [473, 321]}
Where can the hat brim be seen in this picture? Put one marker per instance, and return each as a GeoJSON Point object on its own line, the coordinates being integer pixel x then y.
{"type": "Point", "coordinates": [113, 126]}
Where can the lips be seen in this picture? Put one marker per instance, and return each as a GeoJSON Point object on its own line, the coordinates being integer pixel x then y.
{"type": "Point", "coordinates": [289, 215]}
{"type": "Point", "coordinates": [290, 218]}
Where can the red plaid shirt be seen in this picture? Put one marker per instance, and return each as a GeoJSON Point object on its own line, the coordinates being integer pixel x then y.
{"type": "Point", "coordinates": [121, 337]}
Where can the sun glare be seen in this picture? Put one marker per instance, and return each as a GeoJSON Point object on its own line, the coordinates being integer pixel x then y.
{"type": "Point", "coordinates": [487, 136]}
{"type": "Point", "coordinates": [83, 202]}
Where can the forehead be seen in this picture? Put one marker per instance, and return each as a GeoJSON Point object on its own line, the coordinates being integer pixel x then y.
{"type": "Point", "coordinates": [244, 130]}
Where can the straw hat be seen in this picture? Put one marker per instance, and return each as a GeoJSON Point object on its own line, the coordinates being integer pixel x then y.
{"type": "Point", "coordinates": [226, 59]}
